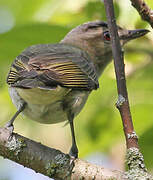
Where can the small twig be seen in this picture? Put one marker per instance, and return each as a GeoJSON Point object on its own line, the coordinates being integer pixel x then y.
{"type": "Point", "coordinates": [51, 162]}
{"type": "Point", "coordinates": [123, 102]}
{"type": "Point", "coordinates": [135, 159]}
{"type": "Point", "coordinates": [143, 9]}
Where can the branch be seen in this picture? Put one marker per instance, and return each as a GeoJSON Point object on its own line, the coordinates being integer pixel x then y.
{"type": "Point", "coordinates": [51, 162]}
{"type": "Point", "coordinates": [145, 12]}
{"type": "Point", "coordinates": [135, 159]}
{"type": "Point", "coordinates": [123, 102]}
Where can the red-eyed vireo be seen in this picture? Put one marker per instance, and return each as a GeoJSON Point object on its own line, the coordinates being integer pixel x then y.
{"type": "Point", "coordinates": [50, 83]}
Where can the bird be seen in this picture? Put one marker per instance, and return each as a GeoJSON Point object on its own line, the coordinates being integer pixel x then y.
{"type": "Point", "coordinates": [50, 83]}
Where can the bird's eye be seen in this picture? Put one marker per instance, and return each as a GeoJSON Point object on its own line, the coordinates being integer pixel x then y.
{"type": "Point", "coordinates": [106, 36]}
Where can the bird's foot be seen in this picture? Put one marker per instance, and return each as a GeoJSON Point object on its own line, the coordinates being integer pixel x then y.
{"type": "Point", "coordinates": [9, 126]}
{"type": "Point", "coordinates": [74, 151]}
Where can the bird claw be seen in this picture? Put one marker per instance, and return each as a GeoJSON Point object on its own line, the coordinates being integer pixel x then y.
{"type": "Point", "coordinates": [10, 128]}
{"type": "Point", "coordinates": [73, 153]}
{"type": "Point", "coordinates": [72, 159]}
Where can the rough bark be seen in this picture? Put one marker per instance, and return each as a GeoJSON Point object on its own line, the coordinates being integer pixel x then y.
{"type": "Point", "coordinates": [51, 162]}
{"type": "Point", "coordinates": [143, 9]}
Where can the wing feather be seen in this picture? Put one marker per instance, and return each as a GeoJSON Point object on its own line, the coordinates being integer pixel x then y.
{"type": "Point", "coordinates": [52, 65]}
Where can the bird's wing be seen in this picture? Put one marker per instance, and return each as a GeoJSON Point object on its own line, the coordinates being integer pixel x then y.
{"type": "Point", "coordinates": [49, 65]}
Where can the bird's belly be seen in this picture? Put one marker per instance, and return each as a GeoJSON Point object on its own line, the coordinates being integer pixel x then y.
{"type": "Point", "coordinates": [44, 106]}
{"type": "Point", "coordinates": [47, 114]}
{"type": "Point", "coordinates": [49, 106]}
{"type": "Point", "coordinates": [42, 96]}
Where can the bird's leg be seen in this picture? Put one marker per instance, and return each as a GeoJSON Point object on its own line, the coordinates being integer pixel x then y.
{"type": "Point", "coordinates": [9, 124]}
{"type": "Point", "coordinates": [74, 150]}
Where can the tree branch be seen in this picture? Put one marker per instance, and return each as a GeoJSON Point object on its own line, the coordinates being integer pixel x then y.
{"type": "Point", "coordinates": [143, 9]}
{"type": "Point", "coordinates": [123, 102]}
{"type": "Point", "coordinates": [51, 162]}
{"type": "Point", "coordinates": [135, 159]}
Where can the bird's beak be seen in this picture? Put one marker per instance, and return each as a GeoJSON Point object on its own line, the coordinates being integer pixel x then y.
{"type": "Point", "coordinates": [133, 34]}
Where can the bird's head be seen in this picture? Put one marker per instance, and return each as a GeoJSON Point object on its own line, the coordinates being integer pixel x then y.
{"type": "Point", "coordinates": [94, 37]}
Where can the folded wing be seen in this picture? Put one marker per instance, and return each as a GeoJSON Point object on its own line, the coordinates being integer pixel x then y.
{"type": "Point", "coordinates": [48, 65]}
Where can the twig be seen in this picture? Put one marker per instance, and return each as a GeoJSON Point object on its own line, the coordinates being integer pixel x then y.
{"type": "Point", "coordinates": [51, 162]}
{"type": "Point", "coordinates": [143, 9]}
{"type": "Point", "coordinates": [122, 103]}
{"type": "Point", "coordinates": [134, 157]}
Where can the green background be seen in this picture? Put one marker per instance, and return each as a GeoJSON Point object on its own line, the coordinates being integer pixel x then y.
{"type": "Point", "coordinates": [98, 126]}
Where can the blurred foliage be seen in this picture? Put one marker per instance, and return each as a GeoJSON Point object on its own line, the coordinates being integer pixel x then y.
{"type": "Point", "coordinates": [98, 126]}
